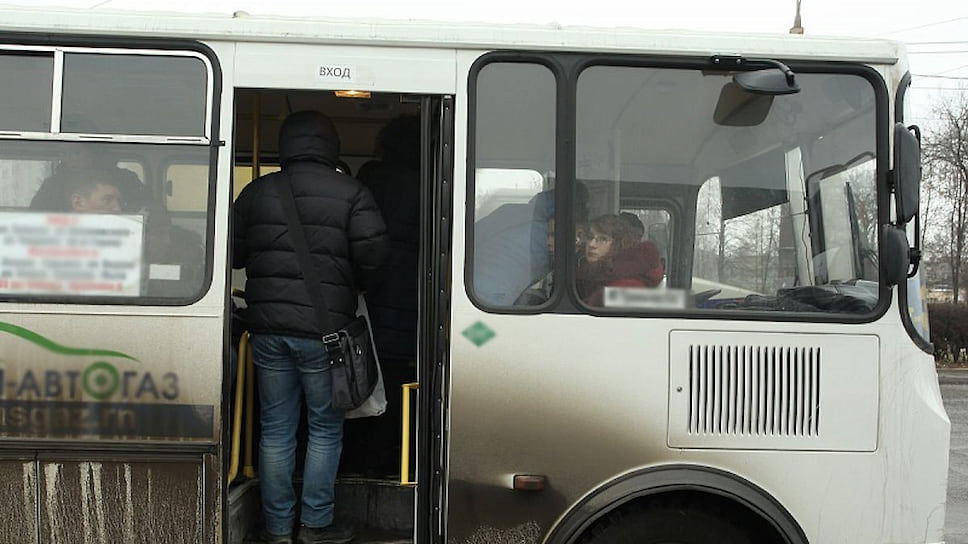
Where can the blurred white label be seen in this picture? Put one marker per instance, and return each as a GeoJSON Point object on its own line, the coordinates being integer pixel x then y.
{"type": "Point", "coordinates": [70, 254]}
{"type": "Point", "coordinates": [164, 272]}
{"type": "Point", "coordinates": [645, 297]}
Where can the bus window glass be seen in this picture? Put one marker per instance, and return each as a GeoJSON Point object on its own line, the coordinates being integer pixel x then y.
{"type": "Point", "coordinates": [187, 187]}
{"type": "Point", "coordinates": [134, 166]}
{"type": "Point", "coordinates": [88, 220]}
{"type": "Point", "coordinates": [134, 94]}
{"type": "Point", "coordinates": [513, 184]}
{"type": "Point", "coordinates": [25, 95]}
{"type": "Point", "coordinates": [781, 205]}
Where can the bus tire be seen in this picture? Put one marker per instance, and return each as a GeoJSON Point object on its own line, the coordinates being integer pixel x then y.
{"type": "Point", "coordinates": [666, 523]}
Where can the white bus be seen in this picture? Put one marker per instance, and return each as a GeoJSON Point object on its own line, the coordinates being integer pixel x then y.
{"type": "Point", "coordinates": [770, 381]}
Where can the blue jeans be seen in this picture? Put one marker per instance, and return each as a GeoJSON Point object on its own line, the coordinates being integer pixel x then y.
{"type": "Point", "coordinates": [285, 367]}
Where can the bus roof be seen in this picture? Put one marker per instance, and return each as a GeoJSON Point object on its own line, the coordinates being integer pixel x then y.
{"type": "Point", "coordinates": [410, 33]}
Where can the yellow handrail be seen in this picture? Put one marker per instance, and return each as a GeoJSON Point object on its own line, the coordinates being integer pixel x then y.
{"type": "Point", "coordinates": [405, 440]}
{"type": "Point", "coordinates": [237, 409]}
{"type": "Point", "coordinates": [248, 469]}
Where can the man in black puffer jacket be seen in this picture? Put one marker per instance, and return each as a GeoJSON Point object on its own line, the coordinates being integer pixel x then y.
{"type": "Point", "coordinates": [348, 244]}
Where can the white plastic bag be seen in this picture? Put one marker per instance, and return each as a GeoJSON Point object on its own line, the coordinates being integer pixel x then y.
{"type": "Point", "coordinates": [376, 403]}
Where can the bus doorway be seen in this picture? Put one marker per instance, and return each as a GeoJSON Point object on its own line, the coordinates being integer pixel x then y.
{"type": "Point", "coordinates": [383, 457]}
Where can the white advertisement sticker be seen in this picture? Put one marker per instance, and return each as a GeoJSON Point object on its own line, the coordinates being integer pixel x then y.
{"type": "Point", "coordinates": [71, 254]}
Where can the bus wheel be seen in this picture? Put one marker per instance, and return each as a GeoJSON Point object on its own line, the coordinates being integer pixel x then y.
{"type": "Point", "coordinates": [664, 523]}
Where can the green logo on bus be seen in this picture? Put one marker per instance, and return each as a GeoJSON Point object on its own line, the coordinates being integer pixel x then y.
{"type": "Point", "coordinates": [50, 345]}
{"type": "Point", "coordinates": [100, 380]}
{"type": "Point", "coordinates": [479, 333]}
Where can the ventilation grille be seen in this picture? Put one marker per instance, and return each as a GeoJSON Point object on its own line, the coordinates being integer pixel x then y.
{"type": "Point", "coordinates": [754, 391]}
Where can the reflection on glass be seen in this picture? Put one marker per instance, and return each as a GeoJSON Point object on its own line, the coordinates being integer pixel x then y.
{"type": "Point", "coordinates": [25, 95]}
{"type": "Point", "coordinates": [134, 94]}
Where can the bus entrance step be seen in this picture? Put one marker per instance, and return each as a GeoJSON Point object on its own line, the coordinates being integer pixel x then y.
{"type": "Point", "coordinates": [373, 503]}
{"type": "Point", "coordinates": [380, 510]}
{"type": "Point", "coordinates": [363, 536]}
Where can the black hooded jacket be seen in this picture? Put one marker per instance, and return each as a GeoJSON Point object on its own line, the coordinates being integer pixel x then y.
{"type": "Point", "coordinates": [344, 230]}
{"type": "Point", "coordinates": [395, 183]}
{"type": "Point", "coordinates": [393, 303]}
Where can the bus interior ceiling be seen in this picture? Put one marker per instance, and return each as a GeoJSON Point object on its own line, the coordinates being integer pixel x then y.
{"type": "Point", "coordinates": [358, 120]}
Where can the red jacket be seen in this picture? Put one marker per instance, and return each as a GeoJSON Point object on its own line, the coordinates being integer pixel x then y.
{"type": "Point", "coordinates": [637, 266]}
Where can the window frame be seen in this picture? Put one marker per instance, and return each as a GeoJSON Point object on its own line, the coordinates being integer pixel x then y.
{"type": "Point", "coordinates": [59, 45]}
{"type": "Point", "coordinates": [568, 67]}
{"type": "Point", "coordinates": [59, 53]}
{"type": "Point", "coordinates": [904, 296]}
{"type": "Point", "coordinates": [470, 203]}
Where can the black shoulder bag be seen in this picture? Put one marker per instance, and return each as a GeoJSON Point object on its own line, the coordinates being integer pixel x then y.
{"type": "Point", "coordinates": [353, 363]}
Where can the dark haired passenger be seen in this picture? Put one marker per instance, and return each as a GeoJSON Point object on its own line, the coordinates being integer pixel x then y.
{"type": "Point", "coordinates": [81, 190]}
{"type": "Point", "coordinates": [85, 164]}
{"type": "Point", "coordinates": [96, 194]}
{"type": "Point", "coordinates": [636, 226]}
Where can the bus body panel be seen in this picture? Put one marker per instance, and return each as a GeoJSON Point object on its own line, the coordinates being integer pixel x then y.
{"type": "Point", "coordinates": [547, 394]}
{"type": "Point", "coordinates": [445, 35]}
{"type": "Point", "coordinates": [122, 501]}
{"type": "Point", "coordinates": [111, 376]}
{"type": "Point", "coordinates": [581, 400]}
{"type": "Point", "coordinates": [604, 423]}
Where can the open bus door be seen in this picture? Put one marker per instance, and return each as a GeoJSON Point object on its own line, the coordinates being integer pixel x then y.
{"type": "Point", "coordinates": [378, 507]}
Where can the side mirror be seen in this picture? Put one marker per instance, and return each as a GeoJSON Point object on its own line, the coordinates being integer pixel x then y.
{"type": "Point", "coordinates": [907, 173]}
{"type": "Point", "coordinates": [895, 255]}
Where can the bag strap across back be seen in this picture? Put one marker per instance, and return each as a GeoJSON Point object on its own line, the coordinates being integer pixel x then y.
{"type": "Point", "coordinates": [309, 272]}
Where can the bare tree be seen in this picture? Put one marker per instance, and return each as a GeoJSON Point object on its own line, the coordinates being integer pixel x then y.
{"type": "Point", "coordinates": [945, 159]}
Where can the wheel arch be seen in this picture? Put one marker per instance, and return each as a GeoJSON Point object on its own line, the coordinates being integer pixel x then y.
{"type": "Point", "coordinates": [651, 483]}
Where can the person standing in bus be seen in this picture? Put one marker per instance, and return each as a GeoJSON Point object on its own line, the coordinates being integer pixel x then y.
{"type": "Point", "coordinates": [372, 442]}
{"type": "Point", "coordinates": [615, 256]}
{"type": "Point", "coordinates": [348, 244]}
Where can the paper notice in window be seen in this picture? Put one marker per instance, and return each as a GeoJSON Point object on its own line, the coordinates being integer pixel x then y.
{"type": "Point", "coordinates": [71, 254]}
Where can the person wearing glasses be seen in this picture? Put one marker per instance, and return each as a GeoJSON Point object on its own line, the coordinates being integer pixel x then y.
{"type": "Point", "coordinates": [616, 256]}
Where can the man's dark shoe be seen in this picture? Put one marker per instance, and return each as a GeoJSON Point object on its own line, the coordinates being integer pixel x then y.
{"type": "Point", "coordinates": [269, 538]}
{"type": "Point", "coordinates": [331, 534]}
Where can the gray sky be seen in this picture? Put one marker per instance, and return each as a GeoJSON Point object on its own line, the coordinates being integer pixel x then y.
{"type": "Point", "coordinates": [936, 31]}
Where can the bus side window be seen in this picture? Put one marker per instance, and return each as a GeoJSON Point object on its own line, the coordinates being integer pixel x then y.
{"type": "Point", "coordinates": [513, 180]}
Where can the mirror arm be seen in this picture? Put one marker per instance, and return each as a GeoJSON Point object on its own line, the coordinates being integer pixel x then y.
{"type": "Point", "coordinates": [733, 62]}
{"type": "Point", "coordinates": [917, 132]}
{"type": "Point", "coordinates": [790, 76]}
{"type": "Point", "coordinates": [914, 254]}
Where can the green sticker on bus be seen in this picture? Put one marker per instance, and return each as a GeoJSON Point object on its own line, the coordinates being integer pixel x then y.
{"type": "Point", "coordinates": [479, 333]}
